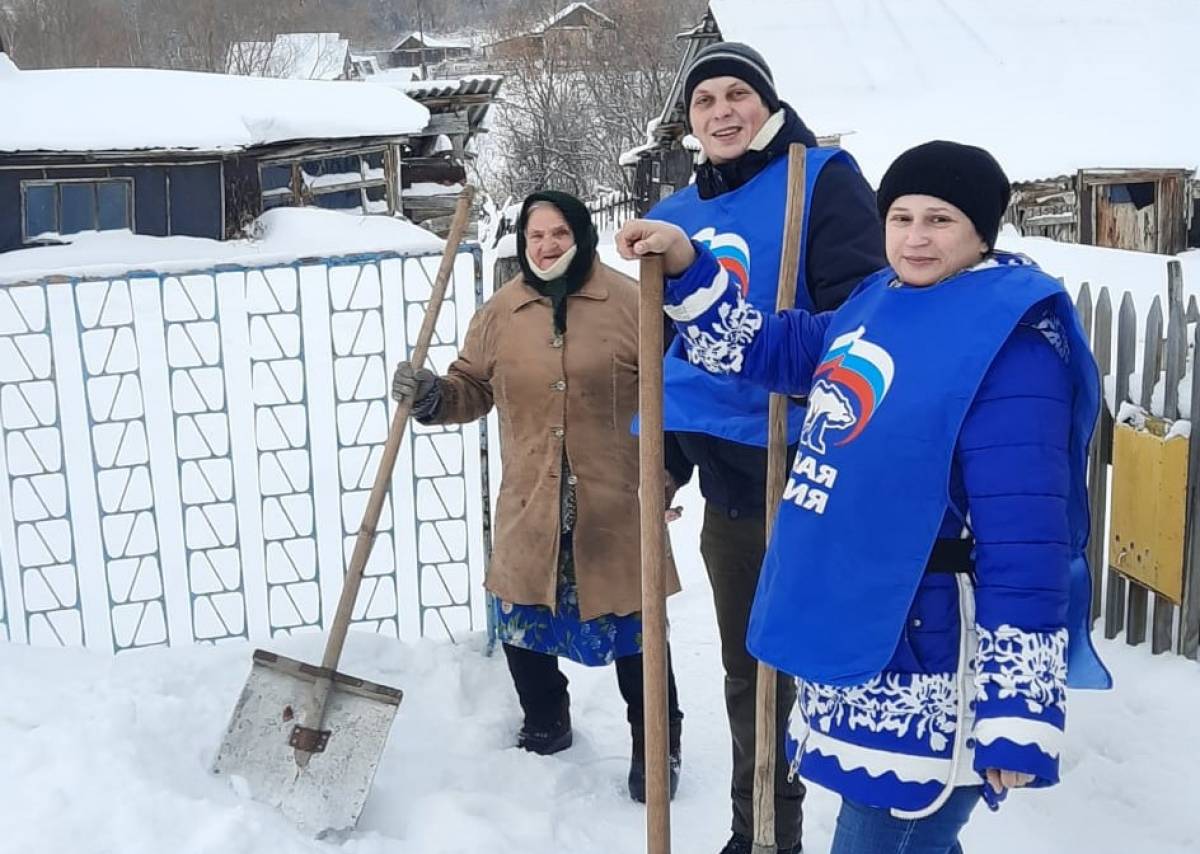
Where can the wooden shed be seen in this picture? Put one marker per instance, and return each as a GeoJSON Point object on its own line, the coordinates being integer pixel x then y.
{"type": "Point", "coordinates": [1147, 210]}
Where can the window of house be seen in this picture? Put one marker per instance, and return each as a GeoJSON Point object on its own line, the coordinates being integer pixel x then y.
{"type": "Point", "coordinates": [52, 209]}
{"type": "Point", "coordinates": [276, 182]}
{"type": "Point", "coordinates": [355, 182]}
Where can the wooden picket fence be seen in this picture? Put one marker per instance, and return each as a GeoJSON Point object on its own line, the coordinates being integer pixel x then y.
{"type": "Point", "coordinates": [1119, 598]}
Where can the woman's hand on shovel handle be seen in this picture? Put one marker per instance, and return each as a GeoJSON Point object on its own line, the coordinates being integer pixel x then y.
{"type": "Point", "coordinates": [640, 237]}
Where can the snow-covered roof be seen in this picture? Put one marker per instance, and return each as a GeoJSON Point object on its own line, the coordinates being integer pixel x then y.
{"type": "Point", "coordinates": [1048, 87]}
{"type": "Point", "coordinates": [295, 56]}
{"type": "Point", "coordinates": [427, 40]}
{"type": "Point", "coordinates": [567, 11]}
{"type": "Point", "coordinates": [123, 109]}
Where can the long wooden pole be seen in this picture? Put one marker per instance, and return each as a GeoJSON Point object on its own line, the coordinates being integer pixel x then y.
{"type": "Point", "coordinates": [314, 711]}
{"type": "Point", "coordinates": [653, 535]}
{"type": "Point", "coordinates": [764, 723]}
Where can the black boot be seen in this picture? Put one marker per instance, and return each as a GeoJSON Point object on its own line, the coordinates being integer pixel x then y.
{"type": "Point", "coordinates": [739, 844]}
{"type": "Point", "coordinates": [547, 737]}
{"type": "Point", "coordinates": [637, 761]}
{"type": "Point", "coordinates": [542, 690]}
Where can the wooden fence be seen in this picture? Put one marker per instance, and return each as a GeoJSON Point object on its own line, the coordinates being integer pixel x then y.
{"type": "Point", "coordinates": [1122, 597]}
{"type": "Point", "coordinates": [610, 210]}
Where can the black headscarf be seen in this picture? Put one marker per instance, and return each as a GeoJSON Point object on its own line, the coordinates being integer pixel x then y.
{"type": "Point", "coordinates": [713, 179]}
{"type": "Point", "coordinates": [579, 219]}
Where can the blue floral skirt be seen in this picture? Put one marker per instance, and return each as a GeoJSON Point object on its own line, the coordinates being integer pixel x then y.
{"type": "Point", "coordinates": [560, 632]}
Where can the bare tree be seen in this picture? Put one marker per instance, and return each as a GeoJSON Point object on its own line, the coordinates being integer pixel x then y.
{"type": "Point", "coordinates": [567, 117]}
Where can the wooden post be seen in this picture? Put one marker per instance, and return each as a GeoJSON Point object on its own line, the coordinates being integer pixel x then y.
{"type": "Point", "coordinates": [1189, 624]}
{"type": "Point", "coordinates": [1135, 632]}
{"type": "Point", "coordinates": [765, 735]}
{"type": "Point", "coordinates": [1083, 307]}
{"type": "Point", "coordinates": [1101, 451]}
{"type": "Point", "coordinates": [1175, 301]}
{"type": "Point", "coordinates": [1164, 609]}
{"type": "Point", "coordinates": [1114, 611]}
{"type": "Point", "coordinates": [653, 528]}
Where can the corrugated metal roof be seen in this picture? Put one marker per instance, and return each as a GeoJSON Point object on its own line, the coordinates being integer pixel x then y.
{"type": "Point", "coordinates": [475, 84]}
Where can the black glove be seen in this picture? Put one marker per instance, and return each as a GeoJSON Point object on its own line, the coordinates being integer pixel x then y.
{"type": "Point", "coordinates": [413, 384]}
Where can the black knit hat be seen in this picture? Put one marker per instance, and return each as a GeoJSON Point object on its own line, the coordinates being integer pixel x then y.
{"type": "Point", "coordinates": [963, 175]}
{"type": "Point", "coordinates": [732, 59]}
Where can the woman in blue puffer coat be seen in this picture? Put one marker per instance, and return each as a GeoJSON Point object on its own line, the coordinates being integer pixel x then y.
{"type": "Point", "coordinates": [926, 579]}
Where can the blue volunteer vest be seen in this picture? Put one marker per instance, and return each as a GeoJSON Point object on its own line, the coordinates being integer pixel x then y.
{"type": "Point", "coordinates": [743, 230]}
{"type": "Point", "coordinates": [869, 486]}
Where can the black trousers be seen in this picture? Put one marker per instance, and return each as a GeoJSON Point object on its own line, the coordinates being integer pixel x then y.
{"type": "Point", "coordinates": [542, 687]}
{"type": "Point", "coordinates": [733, 551]}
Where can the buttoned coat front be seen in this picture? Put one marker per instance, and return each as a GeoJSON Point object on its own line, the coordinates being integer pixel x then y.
{"type": "Point", "coordinates": [576, 392]}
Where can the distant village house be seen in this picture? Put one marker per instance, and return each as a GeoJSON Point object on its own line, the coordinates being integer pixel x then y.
{"type": "Point", "coordinates": [571, 31]}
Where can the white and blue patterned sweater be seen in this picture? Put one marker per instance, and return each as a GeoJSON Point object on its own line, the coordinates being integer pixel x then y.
{"type": "Point", "coordinates": [978, 677]}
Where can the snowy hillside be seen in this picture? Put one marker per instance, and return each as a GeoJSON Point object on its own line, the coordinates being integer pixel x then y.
{"type": "Point", "coordinates": [1048, 87]}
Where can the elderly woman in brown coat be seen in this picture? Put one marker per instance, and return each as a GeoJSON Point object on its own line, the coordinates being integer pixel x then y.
{"type": "Point", "coordinates": [566, 568]}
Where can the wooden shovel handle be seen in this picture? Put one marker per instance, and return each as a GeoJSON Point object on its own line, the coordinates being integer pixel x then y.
{"type": "Point", "coordinates": [366, 531]}
{"type": "Point", "coordinates": [653, 542]}
{"type": "Point", "coordinates": [764, 723]}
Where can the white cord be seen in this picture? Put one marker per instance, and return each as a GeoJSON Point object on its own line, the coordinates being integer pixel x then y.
{"type": "Point", "coordinates": [966, 595]}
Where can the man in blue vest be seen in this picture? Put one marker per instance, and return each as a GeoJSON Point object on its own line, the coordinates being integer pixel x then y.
{"type": "Point", "coordinates": [719, 423]}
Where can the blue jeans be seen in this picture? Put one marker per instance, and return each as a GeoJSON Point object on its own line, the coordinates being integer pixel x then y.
{"type": "Point", "coordinates": [870, 830]}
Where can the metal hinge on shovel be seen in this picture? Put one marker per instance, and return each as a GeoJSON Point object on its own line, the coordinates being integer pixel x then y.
{"type": "Point", "coordinates": [308, 739]}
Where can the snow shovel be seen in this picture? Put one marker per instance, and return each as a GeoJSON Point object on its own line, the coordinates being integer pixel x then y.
{"type": "Point", "coordinates": [785, 298]}
{"type": "Point", "coordinates": [307, 739]}
{"type": "Point", "coordinates": [653, 534]}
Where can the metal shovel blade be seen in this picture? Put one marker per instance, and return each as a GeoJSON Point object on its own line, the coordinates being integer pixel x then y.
{"type": "Point", "coordinates": [329, 793]}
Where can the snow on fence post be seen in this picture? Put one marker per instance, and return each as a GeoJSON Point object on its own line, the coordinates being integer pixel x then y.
{"type": "Point", "coordinates": [1114, 612]}
{"type": "Point", "coordinates": [1101, 451]}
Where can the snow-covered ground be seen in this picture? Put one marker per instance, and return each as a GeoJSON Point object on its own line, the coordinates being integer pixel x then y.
{"type": "Point", "coordinates": [111, 755]}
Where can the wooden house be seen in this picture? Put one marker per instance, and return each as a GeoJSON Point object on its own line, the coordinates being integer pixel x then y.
{"type": "Point", "coordinates": [202, 155]}
{"type": "Point", "coordinates": [420, 49]}
{"type": "Point", "coordinates": [569, 32]}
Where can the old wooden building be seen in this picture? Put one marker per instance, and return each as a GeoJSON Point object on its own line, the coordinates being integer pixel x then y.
{"type": "Point", "coordinates": [1149, 210]}
{"type": "Point", "coordinates": [567, 33]}
{"type": "Point", "coordinates": [201, 156]}
{"type": "Point", "coordinates": [436, 157]}
{"type": "Point", "coordinates": [417, 50]}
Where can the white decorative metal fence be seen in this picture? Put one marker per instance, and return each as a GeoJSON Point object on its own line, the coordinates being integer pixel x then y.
{"type": "Point", "coordinates": [187, 457]}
